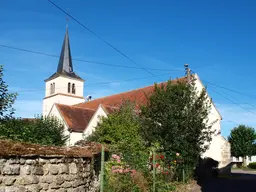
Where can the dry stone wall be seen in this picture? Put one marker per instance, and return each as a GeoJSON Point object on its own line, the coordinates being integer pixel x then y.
{"type": "Point", "coordinates": [47, 173]}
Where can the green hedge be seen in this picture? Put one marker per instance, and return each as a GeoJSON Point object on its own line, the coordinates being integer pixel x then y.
{"type": "Point", "coordinates": [252, 165]}
{"type": "Point", "coordinates": [40, 130]}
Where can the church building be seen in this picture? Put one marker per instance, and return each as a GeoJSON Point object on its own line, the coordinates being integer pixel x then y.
{"type": "Point", "coordinates": [64, 99]}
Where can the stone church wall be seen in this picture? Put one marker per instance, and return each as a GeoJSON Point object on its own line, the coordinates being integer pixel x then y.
{"type": "Point", "coordinates": [70, 170]}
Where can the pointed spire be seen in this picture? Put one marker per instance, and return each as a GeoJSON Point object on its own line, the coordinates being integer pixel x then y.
{"type": "Point", "coordinates": [65, 66]}
{"type": "Point", "coordinates": [65, 62]}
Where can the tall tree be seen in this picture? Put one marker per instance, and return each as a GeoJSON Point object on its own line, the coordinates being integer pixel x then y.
{"type": "Point", "coordinates": [176, 120]}
{"type": "Point", "coordinates": [6, 99]}
{"type": "Point", "coordinates": [242, 140]}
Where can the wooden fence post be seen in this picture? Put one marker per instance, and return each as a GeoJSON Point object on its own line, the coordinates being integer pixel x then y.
{"type": "Point", "coordinates": [102, 168]}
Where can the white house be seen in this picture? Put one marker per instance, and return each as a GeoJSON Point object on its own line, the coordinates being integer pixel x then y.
{"type": "Point", "coordinates": [248, 160]}
{"type": "Point", "coordinates": [64, 99]}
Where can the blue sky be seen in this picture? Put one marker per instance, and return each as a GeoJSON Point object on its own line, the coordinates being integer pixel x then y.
{"type": "Point", "coordinates": [217, 39]}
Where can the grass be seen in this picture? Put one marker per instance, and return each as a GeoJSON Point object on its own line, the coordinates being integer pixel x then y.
{"type": "Point", "coordinates": [243, 168]}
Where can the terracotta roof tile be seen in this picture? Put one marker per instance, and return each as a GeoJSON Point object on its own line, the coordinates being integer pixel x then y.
{"type": "Point", "coordinates": [77, 118]}
{"type": "Point", "coordinates": [137, 95]}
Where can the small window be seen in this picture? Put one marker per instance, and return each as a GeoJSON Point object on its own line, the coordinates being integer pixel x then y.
{"type": "Point", "coordinates": [73, 89]}
{"type": "Point", "coordinates": [69, 87]}
{"type": "Point", "coordinates": [250, 158]}
{"type": "Point", "coordinates": [53, 87]}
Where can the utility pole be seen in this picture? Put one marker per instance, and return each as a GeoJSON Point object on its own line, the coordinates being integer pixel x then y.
{"type": "Point", "coordinates": [188, 72]}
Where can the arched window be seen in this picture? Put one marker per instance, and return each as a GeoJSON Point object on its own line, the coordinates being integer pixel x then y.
{"type": "Point", "coordinates": [53, 87]}
{"type": "Point", "coordinates": [69, 87]}
{"type": "Point", "coordinates": [73, 88]}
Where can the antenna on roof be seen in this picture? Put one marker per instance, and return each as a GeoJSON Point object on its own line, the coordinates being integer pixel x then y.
{"type": "Point", "coordinates": [187, 69]}
{"type": "Point", "coordinates": [89, 98]}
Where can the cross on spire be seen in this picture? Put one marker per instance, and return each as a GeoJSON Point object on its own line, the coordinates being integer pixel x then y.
{"type": "Point", "coordinates": [67, 18]}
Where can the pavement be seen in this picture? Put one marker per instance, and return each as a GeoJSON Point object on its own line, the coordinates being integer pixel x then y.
{"type": "Point", "coordinates": [238, 181]}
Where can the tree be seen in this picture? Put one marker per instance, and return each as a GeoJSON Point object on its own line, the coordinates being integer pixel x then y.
{"type": "Point", "coordinates": [242, 140]}
{"type": "Point", "coordinates": [175, 119]}
{"type": "Point", "coordinates": [121, 131]}
{"type": "Point", "coordinates": [6, 99]}
{"type": "Point", "coordinates": [41, 130]}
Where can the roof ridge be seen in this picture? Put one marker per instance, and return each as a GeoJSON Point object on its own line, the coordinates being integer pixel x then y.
{"type": "Point", "coordinates": [75, 106]}
{"type": "Point", "coordinates": [104, 97]}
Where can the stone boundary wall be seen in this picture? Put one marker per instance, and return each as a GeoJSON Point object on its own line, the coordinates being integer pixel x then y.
{"type": "Point", "coordinates": [28, 172]}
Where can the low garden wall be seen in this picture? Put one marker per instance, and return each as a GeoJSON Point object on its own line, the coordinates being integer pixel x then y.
{"type": "Point", "coordinates": [28, 167]}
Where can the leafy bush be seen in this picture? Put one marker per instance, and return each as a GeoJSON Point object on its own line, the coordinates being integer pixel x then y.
{"type": "Point", "coordinates": [121, 131]}
{"type": "Point", "coordinates": [252, 165]}
{"type": "Point", "coordinates": [41, 130]}
{"type": "Point", "coordinates": [119, 177]}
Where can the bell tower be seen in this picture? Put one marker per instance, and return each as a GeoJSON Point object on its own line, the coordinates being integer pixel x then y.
{"type": "Point", "coordinates": [64, 86]}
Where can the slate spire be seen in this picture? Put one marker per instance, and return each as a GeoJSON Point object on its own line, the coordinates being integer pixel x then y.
{"type": "Point", "coordinates": [65, 62]}
{"type": "Point", "coordinates": [65, 66]}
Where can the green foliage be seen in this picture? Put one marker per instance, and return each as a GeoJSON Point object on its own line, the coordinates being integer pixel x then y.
{"type": "Point", "coordinates": [121, 130]}
{"type": "Point", "coordinates": [6, 99]}
{"type": "Point", "coordinates": [120, 183]}
{"type": "Point", "coordinates": [242, 140]}
{"type": "Point", "coordinates": [252, 165]}
{"type": "Point", "coordinates": [162, 186]}
{"type": "Point", "coordinates": [175, 119]}
{"type": "Point", "coordinates": [41, 130]}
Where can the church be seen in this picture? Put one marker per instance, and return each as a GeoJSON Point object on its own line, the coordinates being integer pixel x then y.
{"type": "Point", "coordinates": [64, 99]}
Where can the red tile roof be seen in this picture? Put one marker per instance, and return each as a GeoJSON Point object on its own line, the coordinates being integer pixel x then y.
{"type": "Point", "coordinates": [77, 118]}
{"type": "Point", "coordinates": [139, 96]}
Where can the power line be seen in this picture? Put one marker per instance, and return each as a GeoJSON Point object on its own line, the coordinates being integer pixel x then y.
{"type": "Point", "coordinates": [229, 121]}
{"type": "Point", "coordinates": [232, 101]}
{"type": "Point", "coordinates": [95, 84]}
{"type": "Point", "coordinates": [81, 60]}
{"type": "Point", "coordinates": [102, 39]}
{"type": "Point", "coordinates": [239, 103]}
{"type": "Point", "coordinates": [238, 92]}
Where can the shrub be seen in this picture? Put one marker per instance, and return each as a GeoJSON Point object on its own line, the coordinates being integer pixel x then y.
{"type": "Point", "coordinates": [41, 130]}
{"type": "Point", "coordinates": [252, 165]}
{"type": "Point", "coordinates": [119, 177]}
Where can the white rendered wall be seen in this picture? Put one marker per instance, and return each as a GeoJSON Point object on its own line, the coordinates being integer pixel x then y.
{"type": "Point", "coordinates": [214, 150]}
{"type": "Point", "coordinates": [61, 86]}
{"type": "Point", "coordinates": [248, 159]}
{"type": "Point", "coordinates": [61, 99]}
{"type": "Point", "coordinates": [74, 137]}
{"type": "Point", "coordinates": [94, 121]}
